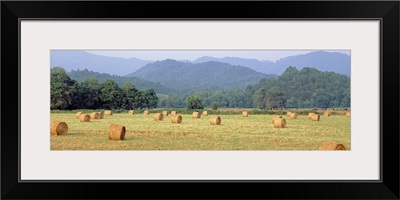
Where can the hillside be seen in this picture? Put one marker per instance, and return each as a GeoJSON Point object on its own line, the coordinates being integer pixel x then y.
{"type": "Point", "coordinates": [74, 60]}
{"type": "Point", "coordinates": [81, 75]}
{"type": "Point", "coordinates": [321, 60]}
{"type": "Point", "coordinates": [187, 76]}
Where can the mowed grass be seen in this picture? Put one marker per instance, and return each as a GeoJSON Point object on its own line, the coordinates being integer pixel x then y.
{"type": "Point", "coordinates": [255, 132]}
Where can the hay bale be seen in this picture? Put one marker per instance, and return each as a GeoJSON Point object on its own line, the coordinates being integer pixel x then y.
{"type": "Point", "coordinates": [173, 113]}
{"type": "Point", "coordinates": [101, 115]}
{"type": "Point", "coordinates": [158, 117]}
{"type": "Point", "coordinates": [205, 113]}
{"type": "Point", "coordinates": [315, 117]}
{"type": "Point", "coordinates": [288, 113]}
{"type": "Point", "coordinates": [146, 112]}
{"type": "Point", "coordinates": [309, 115]}
{"type": "Point", "coordinates": [280, 123]}
{"type": "Point", "coordinates": [116, 132]}
{"type": "Point", "coordinates": [327, 114]}
{"type": "Point", "coordinates": [84, 118]}
{"type": "Point", "coordinates": [131, 112]}
{"type": "Point", "coordinates": [245, 114]}
{"type": "Point", "coordinates": [347, 114]}
{"type": "Point", "coordinates": [215, 120]}
{"type": "Point", "coordinates": [293, 116]}
{"type": "Point", "coordinates": [165, 113]}
{"type": "Point", "coordinates": [95, 115]}
{"type": "Point", "coordinates": [332, 146]}
{"type": "Point", "coordinates": [176, 119]}
{"type": "Point", "coordinates": [196, 115]}
{"type": "Point", "coordinates": [58, 128]}
{"type": "Point", "coordinates": [108, 112]}
{"type": "Point", "coordinates": [275, 117]}
{"type": "Point", "coordinates": [77, 114]}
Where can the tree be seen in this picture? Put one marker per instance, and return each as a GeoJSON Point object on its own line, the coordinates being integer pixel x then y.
{"type": "Point", "coordinates": [151, 99]}
{"type": "Point", "coordinates": [214, 105]}
{"type": "Point", "coordinates": [63, 90]}
{"type": "Point", "coordinates": [275, 98]}
{"type": "Point", "coordinates": [194, 102]}
{"type": "Point", "coordinates": [90, 93]}
{"type": "Point", "coordinates": [111, 95]}
{"type": "Point", "coordinates": [130, 92]}
{"type": "Point", "coordinates": [259, 98]}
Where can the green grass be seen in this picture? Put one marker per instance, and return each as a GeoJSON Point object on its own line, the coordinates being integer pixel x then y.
{"type": "Point", "coordinates": [255, 132]}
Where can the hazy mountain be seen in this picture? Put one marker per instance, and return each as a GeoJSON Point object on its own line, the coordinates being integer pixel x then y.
{"type": "Point", "coordinates": [321, 60]}
{"type": "Point", "coordinates": [73, 60]}
{"type": "Point", "coordinates": [186, 76]}
{"type": "Point", "coordinates": [81, 75]}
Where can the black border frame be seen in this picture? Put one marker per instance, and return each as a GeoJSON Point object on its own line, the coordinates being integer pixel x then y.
{"type": "Point", "coordinates": [386, 11]}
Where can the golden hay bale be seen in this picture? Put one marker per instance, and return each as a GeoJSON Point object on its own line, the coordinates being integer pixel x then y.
{"type": "Point", "coordinates": [95, 115]}
{"type": "Point", "coordinates": [173, 113]}
{"type": "Point", "coordinates": [196, 115]}
{"type": "Point", "coordinates": [275, 117]}
{"type": "Point", "coordinates": [280, 123]}
{"type": "Point", "coordinates": [101, 115]}
{"type": "Point", "coordinates": [158, 117]}
{"type": "Point", "coordinates": [327, 114]}
{"type": "Point", "coordinates": [84, 118]}
{"type": "Point", "coordinates": [332, 146]}
{"type": "Point", "coordinates": [215, 120]}
{"type": "Point", "coordinates": [347, 114]}
{"type": "Point", "coordinates": [205, 113]}
{"type": "Point", "coordinates": [131, 112]}
{"type": "Point", "coordinates": [77, 114]}
{"type": "Point", "coordinates": [146, 112]}
{"type": "Point", "coordinates": [309, 115]}
{"type": "Point", "coordinates": [293, 116]}
{"type": "Point", "coordinates": [58, 128]}
{"type": "Point", "coordinates": [245, 114]}
{"type": "Point", "coordinates": [116, 132]}
{"type": "Point", "coordinates": [315, 117]}
{"type": "Point", "coordinates": [176, 119]}
{"type": "Point", "coordinates": [108, 112]}
{"type": "Point", "coordinates": [165, 113]}
{"type": "Point", "coordinates": [288, 113]}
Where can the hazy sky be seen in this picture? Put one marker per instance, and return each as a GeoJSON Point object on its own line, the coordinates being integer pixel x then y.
{"type": "Point", "coordinates": [194, 54]}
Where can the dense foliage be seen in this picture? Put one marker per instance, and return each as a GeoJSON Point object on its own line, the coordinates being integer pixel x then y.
{"type": "Point", "coordinates": [66, 93]}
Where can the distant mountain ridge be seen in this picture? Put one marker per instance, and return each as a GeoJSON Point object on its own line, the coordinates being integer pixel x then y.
{"type": "Point", "coordinates": [321, 60]}
{"type": "Point", "coordinates": [188, 76]}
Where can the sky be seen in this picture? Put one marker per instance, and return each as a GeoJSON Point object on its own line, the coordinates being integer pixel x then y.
{"type": "Point", "coordinates": [154, 55]}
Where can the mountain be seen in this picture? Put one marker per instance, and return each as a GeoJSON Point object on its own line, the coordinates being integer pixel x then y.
{"type": "Point", "coordinates": [187, 76]}
{"type": "Point", "coordinates": [81, 75]}
{"type": "Point", "coordinates": [74, 60]}
{"type": "Point", "coordinates": [321, 60]}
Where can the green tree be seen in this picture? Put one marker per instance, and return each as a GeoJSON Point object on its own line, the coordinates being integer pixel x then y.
{"type": "Point", "coordinates": [214, 105]}
{"type": "Point", "coordinates": [90, 93]}
{"type": "Point", "coordinates": [194, 102]}
{"type": "Point", "coordinates": [275, 98]}
{"type": "Point", "coordinates": [130, 92]}
{"type": "Point", "coordinates": [111, 95]}
{"type": "Point", "coordinates": [63, 90]}
{"type": "Point", "coordinates": [151, 99]}
{"type": "Point", "coordinates": [259, 98]}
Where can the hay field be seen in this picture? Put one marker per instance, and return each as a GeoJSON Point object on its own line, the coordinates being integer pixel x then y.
{"type": "Point", "coordinates": [255, 132]}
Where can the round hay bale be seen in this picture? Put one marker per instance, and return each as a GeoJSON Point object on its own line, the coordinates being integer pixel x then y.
{"type": "Point", "coordinates": [176, 119]}
{"type": "Point", "coordinates": [347, 114]}
{"type": "Point", "coordinates": [131, 112]}
{"type": "Point", "coordinates": [288, 113]}
{"type": "Point", "coordinates": [58, 128]}
{"type": "Point", "coordinates": [108, 112]}
{"type": "Point", "coordinates": [280, 123]}
{"type": "Point", "coordinates": [165, 113]}
{"type": "Point", "coordinates": [275, 117]}
{"type": "Point", "coordinates": [101, 114]}
{"type": "Point", "coordinates": [116, 132]}
{"type": "Point", "coordinates": [245, 114]}
{"type": "Point", "coordinates": [315, 117]}
{"type": "Point", "coordinates": [173, 113]}
{"type": "Point", "coordinates": [77, 114]}
{"type": "Point", "coordinates": [309, 115]}
{"type": "Point", "coordinates": [293, 116]}
{"type": "Point", "coordinates": [158, 117]}
{"type": "Point", "coordinates": [146, 112]}
{"type": "Point", "coordinates": [84, 118]}
{"type": "Point", "coordinates": [332, 146]}
{"type": "Point", "coordinates": [327, 114]}
{"type": "Point", "coordinates": [196, 115]}
{"type": "Point", "coordinates": [215, 120]}
{"type": "Point", "coordinates": [95, 115]}
{"type": "Point", "coordinates": [205, 113]}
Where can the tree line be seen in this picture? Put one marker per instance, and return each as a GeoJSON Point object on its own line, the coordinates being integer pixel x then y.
{"type": "Point", "coordinates": [67, 94]}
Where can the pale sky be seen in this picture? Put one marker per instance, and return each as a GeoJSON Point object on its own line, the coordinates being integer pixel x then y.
{"type": "Point", "coordinates": [154, 55]}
